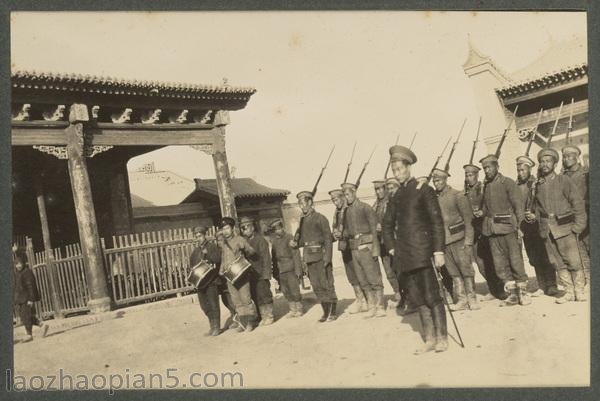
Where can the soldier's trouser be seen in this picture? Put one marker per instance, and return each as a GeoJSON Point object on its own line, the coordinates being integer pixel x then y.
{"type": "Point", "coordinates": [389, 273]}
{"type": "Point", "coordinates": [290, 286]}
{"type": "Point", "coordinates": [422, 287]}
{"type": "Point", "coordinates": [482, 256]}
{"type": "Point", "coordinates": [27, 316]}
{"type": "Point", "coordinates": [458, 260]}
{"type": "Point", "coordinates": [538, 258]}
{"type": "Point", "coordinates": [242, 297]}
{"type": "Point", "coordinates": [349, 267]}
{"type": "Point", "coordinates": [209, 300]}
{"type": "Point", "coordinates": [321, 280]}
{"type": "Point", "coordinates": [367, 270]}
{"type": "Point", "coordinates": [507, 256]}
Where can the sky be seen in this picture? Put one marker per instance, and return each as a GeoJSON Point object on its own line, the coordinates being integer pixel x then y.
{"type": "Point", "coordinates": [322, 78]}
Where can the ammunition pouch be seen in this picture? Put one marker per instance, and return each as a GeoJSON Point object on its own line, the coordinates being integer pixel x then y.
{"type": "Point", "coordinates": [502, 218]}
{"type": "Point", "coordinates": [360, 239]}
{"type": "Point", "coordinates": [566, 218]}
{"type": "Point", "coordinates": [313, 247]}
{"type": "Point", "coordinates": [456, 228]}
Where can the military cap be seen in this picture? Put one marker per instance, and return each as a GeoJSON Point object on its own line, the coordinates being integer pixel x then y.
{"type": "Point", "coordinates": [440, 173]}
{"type": "Point", "coordinates": [336, 193]}
{"type": "Point", "coordinates": [471, 168]}
{"type": "Point", "coordinates": [525, 160]}
{"type": "Point", "coordinates": [398, 152]}
{"type": "Point", "coordinates": [349, 185]}
{"type": "Point", "coordinates": [548, 152]}
{"type": "Point", "coordinates": [246, 220]}
{"type": "Point", "coordinates": [227, 221]}
{"type": "Point", "coordinates": [489, 159]}
{"type": "Point", "coordinates": [571, 149]}
{"type": "Point", "coordinates": [392, 180]}
{"type": "Point", "coordinates": [304, 194]}
{"type": "Point", "coordinates": [200, 230]}
{"type": "Point", "coordinates": [276, 223]}
{"type": "Point", "coordinates": [378, 183]}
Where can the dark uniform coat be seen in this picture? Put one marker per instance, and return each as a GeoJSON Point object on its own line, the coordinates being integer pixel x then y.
{"type": "Point", "coordinates": [501, 197]}
{"type": "Point", "coordinates": [25, 287]}
{"type": "Point", "coordinates": [457, 215]}
{"type": "Point", "coordinates": [208, 251]}
{"type": "Point", "coordinates": [413, 226]}
{"type": "Point", "coordinates": [285, 258]}
{"type": "Point", "coordinates": [261, 260]}
{"type": "Point", "coordinates": [316, 238]}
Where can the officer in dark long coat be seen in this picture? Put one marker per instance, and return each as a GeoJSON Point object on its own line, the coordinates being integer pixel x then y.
{"type": "Point", "coordinates": [316, 240]}
{"type": "Point", "coordinates": [413, 232]}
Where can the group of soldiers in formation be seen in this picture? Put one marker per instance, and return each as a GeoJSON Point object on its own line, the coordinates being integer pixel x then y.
{"type": "Point", "coordinates": [428, 239]}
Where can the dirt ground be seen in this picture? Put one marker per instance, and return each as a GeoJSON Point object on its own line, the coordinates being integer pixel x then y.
{"type": "Point", "coordinates": [543, 344]}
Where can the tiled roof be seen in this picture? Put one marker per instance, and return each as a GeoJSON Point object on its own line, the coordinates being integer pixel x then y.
{"type": "Point", "coordinates": [241, 187]}
{"type": "Point", "coordinates": [114, 86]}
{"type": "Point", "coordinates": [544, 81]}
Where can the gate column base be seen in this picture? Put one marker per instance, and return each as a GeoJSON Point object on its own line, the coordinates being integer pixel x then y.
{"type": "Point", "coordinates": [99, 305]}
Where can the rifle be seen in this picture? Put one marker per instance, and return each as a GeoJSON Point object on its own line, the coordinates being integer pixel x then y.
{"type": "Point", "coordinates": [447, 167]}
{"type": "Point", "coordinates": [314, 191]}
{"type": "Point", "coordinates": [437, 161]}
{"type": "Point", "coordinates": [555, 125]}
{"type": "Point", "coordinates": [568, 138]}
{"type": "Point", "coordinates": [413, 140]}
{"type": "Point", "coordinates": [364, 168]}
{"type": "Point", "coordinates": [473, 153]}
{"type": "Point", "coordinates": [505, 133]}
{"type": "Point", "coordinates": [350, 163]}
{"type": "Point", "coordinates": [534, 133]}
{"type": "Point", "coordinates": [387, 169]}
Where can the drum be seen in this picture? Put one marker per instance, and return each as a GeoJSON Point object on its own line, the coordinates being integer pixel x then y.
{"type": "Point", "coordinates": [201, 274]}
{"type": "Point", "coordinates": [236, 269]}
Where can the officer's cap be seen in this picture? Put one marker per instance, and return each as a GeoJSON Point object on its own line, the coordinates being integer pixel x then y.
{"type": "Point", "coordinates": [379, 183]}
{"type": "Point", "coordinates": [336, 193]}
{"type": "Point", "coordinates": [399, 152]}
{"type": "Point", "coordinates": [227, 221]}
{"type": "Point", "coordinates": [440, 173]}
{"type": "Point", "coordinates": [348, 185]}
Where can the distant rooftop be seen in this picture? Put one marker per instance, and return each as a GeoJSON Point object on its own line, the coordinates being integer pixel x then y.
{"type": "Point", "coordinates": [241, 187]}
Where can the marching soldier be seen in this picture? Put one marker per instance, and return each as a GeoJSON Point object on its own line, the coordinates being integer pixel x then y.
{"type": "Point", "coordinates": [482, 254]}
{"type": "Point", "coordinates": [338, 199]}
{"type": "Point", "coordinates": [562, 217]}
{"type": "Point", "coordinates": [233, 247]}
{"type": "Point", "coordinates": [413, 232]}
{"type": "Point", "coordinates": [260, 276]}
{"type": "Point", "coordinates": [533, 242]}
{"type": "Point", "coordinates": [459, 232]}
{"type": "Point", "coordinates": [502, 214]}
{"type": "Point", "coordinates": [287, 264]}
{"type": "Point", "coordinates": [574, 170]}
{"type": "Point", "coordinates": [380, 207]}
{"type": "Point", "coordinates": [208, 295]}
{"type": "Point", "coordinates": [315, 238]}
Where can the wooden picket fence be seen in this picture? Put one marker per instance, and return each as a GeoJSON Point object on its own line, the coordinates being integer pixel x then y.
{"type": "Point", "coordinates": [140, 267]}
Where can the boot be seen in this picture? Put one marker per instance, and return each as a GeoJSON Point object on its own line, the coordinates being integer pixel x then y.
{"type": "Point", "coordinates": [266, 311]}
{"type": "Point", "coordinates": [292, 312]}
{"type": "Point", "coordinates": [215, 325]}
{"type": "Point", "coordinates": [372, 304]}
{"type": "Point", "coordinates": [250, 322]}
{"type": "Point", "coordinates": [513, 298]}
{"type": "Point", "coordinates": [438, 313]}
{"type": "Point", "coordinates": [407, 307]}
{"type": "Point", "coordinates": [243, 321]}
{"type": "Point", "coordinates": [427, 329]}
{"type": "Point", "coordinates": [299, 311]}
{"type": "Point", "coordinates": [379, 306]}
{"type": "Point", "coordinates": [524, 298]}
{"type": "Point", "coordinates": [332, 313]}
{"type": "Point", "coordinates": [459, 293]}
{"type": "Point", "coordinates": [579, 284]}
{"type": "Point", "coordinates": [565, 278]}
{"type": "Point", "coordinates": [326, 309]}
{"type": "Point", "coordinates": [471, 296]}
{"type": "Point", "coordinates": [359, 305]}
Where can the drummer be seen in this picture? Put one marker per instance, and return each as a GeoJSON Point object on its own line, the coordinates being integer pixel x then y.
{"type": "Point", "coordinates": [260, 276]}
{"type": "Point", "coordinates": [234, 247]}
{"type": "Point", "coordinates": [208, 294]}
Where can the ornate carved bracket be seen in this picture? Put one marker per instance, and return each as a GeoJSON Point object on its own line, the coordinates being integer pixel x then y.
{"type": "Point", "coordinates": [54, 114]}
{"type": "Point", "coordinates": [203, 118]}
{"type": "Point", "coordinates": [151, 116]}
{"type": "Point", "coordinates": [122, 117]}
{"type": "Point", "coordinates": [179, 118]}
{"type": "Point", "coordinates": [21, 113]}
{"type": "Point", "coordinates": [60, 152]}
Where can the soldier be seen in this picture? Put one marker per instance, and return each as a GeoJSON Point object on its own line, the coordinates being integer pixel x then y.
{"type": "Point", "coordinates": [208, 295]}
{"type": "Point", "coordinates": [260, 276]}
{"type": "Point", "coordinates": [287, 264]}
{"type": "Point", "coordinates": [380, 207]}
{"type": "Point", "coordinates": [233, 247]}
{"type": "Point", "coordinates": [579, 174]}
{"type": "Point", "coordinates": [413, 232]}
{"type": "Point", "coordinates": [315, 237]}
{"type": "Point", "coordinates": [482, 254]}
{"type": "Point", "coordinates": [561, 212]}
{"type": "Point", "coordinates": [26, 293]}
{"type": "Point", "coordinates": [338, 199]}
{"type": "Point", "coordinates": [534, 244]}
{"type": "Point", "coordinates": [459, 232]}
{"type": "Point", "coordinates": [391, 185]}
{"type": "Point", "coordinates": [502, 214]}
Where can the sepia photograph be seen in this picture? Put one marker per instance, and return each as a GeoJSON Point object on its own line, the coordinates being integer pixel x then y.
{"type": "Point", "coordinates": [299, 200]}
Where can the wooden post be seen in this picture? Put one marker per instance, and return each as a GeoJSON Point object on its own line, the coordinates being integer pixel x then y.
{"type": "Point", "coordinates": [226, 196]}
{"type": "Point", "coordinates": [50, 265]}
{"type": "Point", "coordinates": [99, 300]}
